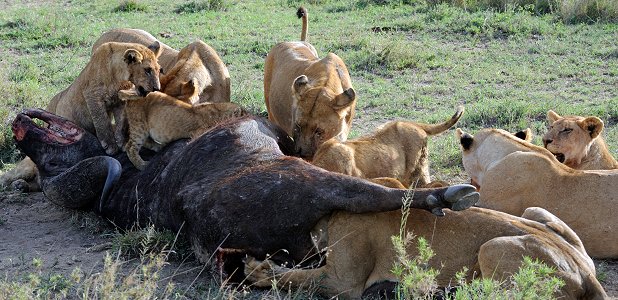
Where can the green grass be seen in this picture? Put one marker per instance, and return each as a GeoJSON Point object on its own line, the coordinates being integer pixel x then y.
{"type": "Point", "coordinates": [414, 59]}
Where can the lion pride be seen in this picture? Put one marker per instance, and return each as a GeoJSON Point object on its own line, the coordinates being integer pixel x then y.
{"type": "Point", "coordinates": [312, 99]}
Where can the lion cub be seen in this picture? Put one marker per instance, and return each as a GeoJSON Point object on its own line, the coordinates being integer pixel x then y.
{"type": "Point", "coordinates": [165, 118]}
{"type": "Point", "coordinates": [397, 150]}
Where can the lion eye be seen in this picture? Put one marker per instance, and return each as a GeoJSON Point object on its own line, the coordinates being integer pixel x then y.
{"type": "Point", "coordinates": [148, 71]}
{"type": "Point", "coordinates": [319, 132]}
{"type": "Point", "coordinates": [566, 130]}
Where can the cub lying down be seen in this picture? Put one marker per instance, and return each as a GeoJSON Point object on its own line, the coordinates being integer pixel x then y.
{"type": "Point", "coordinates": [489, 243]}
{"type": "Point", "coordinates": [164, 119]}
{"type": "Point", "coordinates": [397, 150]}
{"type": "Point", "coordinates": [513, 174]}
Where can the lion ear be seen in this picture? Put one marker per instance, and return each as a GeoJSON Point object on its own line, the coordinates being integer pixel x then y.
{"type": "Point", "coordinates": [301, 83]}
{"type": "Point", "coordinates": [525, 134]}
{"type": "Point", "coordinates": [465, 139]}
{"type": "Point", "coordinates": [128, 95]}
{"type": "Point", "coordinates": [345, 99]}
{"type": "Point", "coordinates": [133, 56]}
{"type": "Point", "coordinates": [552, 116]}
{"type": "Point", "coordinates": [189, 90]}
{"type": "Point", "coordinates": [593, 125]}
{"type": "Point", "coordinates": [156, 48]}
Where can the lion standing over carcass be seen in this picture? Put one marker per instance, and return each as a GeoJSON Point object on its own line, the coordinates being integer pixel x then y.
{"type": "Point", "coordinates": [92, 98]}
{"type": "Point", "coordinates": [312, 99]}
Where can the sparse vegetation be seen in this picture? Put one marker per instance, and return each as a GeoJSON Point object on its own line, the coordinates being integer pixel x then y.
{"type": "Point", "coordinates": [131, 6]}
{"type": "Point", "coordinates": [204, 5]}
{"type": "Point", "coordinates": [417, 280]}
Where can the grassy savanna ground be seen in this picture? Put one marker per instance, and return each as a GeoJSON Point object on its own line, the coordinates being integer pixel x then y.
{"type": "Point", "coordinates": [413, 62]}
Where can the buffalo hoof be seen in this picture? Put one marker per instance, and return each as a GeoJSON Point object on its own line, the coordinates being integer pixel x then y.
{"type": "Point", "coordinates": [456, 197]}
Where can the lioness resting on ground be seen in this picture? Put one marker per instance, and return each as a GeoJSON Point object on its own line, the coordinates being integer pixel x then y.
{"type": "Point", "coordinates": [312, 99]}
{"type": "Point", "coordinates": [397, 150]}
{"type": "Point", "coordinates": [491, 244]}
{"type": "Point", "coordinates": [514, 174]}
{"type": "Point", "coordinates": [92, 97]}
{"type": "Point", "coordinates": [577, 142]}
{"type": "Point", "coordinates": [164, 118]}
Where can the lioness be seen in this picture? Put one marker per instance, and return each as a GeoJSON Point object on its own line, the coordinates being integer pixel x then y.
{"type": "Point", "coordinates": [198, 63]}
{"type": "Point", "coordinates": [514, 174]}
{"type": "Point", "coordinates": [92, 97]}
{"type": "Point", "coordinates": [312, 99]}
{"type": "Point", "coordinates": [577, 142]}
{"type": "Point", "coordinates": [165, 118]}
{"type": "Point", "coordinates": [491, 244]}
{"type": "Point", "coordinates": [167, 58]}
{"type": "Point", "coordinates": [397, 150]}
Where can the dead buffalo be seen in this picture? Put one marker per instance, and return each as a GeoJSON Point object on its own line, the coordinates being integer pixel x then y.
{"type": "Point", "coordinates": [233, 187]}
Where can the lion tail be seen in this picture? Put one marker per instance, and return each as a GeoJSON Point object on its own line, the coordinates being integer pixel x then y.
{"type": "Point", "coordinates": [432, 129]}
{"type": "Point", "coordinates": [302, 13]}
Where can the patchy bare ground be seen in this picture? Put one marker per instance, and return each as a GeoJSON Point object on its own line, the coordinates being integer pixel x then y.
{"type": "Point", "coordinates": [33, 228]}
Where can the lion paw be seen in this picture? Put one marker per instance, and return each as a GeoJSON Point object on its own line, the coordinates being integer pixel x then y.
{"type": "Point", "coordinates": [262, 273]}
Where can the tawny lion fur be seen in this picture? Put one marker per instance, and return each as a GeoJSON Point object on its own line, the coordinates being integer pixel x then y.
{"type": "Point", "coordinates": [397, 150]}
{"type": "Point", "coordinates": [312, 99]}
{"type": "Point", "coordinates": [490, 244]}
{"type": "Point", "coordinates": [93, 97]}
{"type": "Point", "coordinates": [578, 143]}
{"type": "Point", "coordinates": [163, 119]}
{"type": "Point", "coordinates": [197, 61]}
{"type": "Point", "coordinates": [514, 174]}
{"type": "Point", "coordinates": [167, 59]}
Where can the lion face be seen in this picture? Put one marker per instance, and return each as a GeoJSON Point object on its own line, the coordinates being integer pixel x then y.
{"type": "Point", "coordinates": [144, 69]}
{"type": "Point", "coordinates": [569, 138]}
{"type": "Point", "coordinates": [319, 115]}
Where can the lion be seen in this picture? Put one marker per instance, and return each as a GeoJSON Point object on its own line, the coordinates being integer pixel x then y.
{"type": "Point", "coordinates": [92, 98]}
{"type": "Point", "coordinates": [577, 142]}
{"type": "Point", "coordinates": [513, 175]}
{"type": "Point", "coordinates": [312, 99]}
{"type": "Point", "coordinates": [198, 63]}
{"type": "Point", "coordinates": [195, 61]}
{"type": "Point", "coordinates": [360, 254]}
{"type": "Point", "coordinates": [397, 150]}
{"type": "Point", "coordinates": [164, 118]}
{"type": "Point", "coordinates": [167, 58]}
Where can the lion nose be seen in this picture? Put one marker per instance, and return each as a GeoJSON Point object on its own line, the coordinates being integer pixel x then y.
{"type": "Point", "coordinates": [547, 141]}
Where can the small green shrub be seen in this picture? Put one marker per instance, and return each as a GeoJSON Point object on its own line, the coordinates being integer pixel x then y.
{"type": "Point", "coordinates": [139, 242]}
{"type": "Point", "coordinates": [131, 6]}
{"type": "Point", "coordinates": [204, 5]}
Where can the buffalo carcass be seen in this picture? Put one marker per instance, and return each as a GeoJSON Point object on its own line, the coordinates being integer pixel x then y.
{"type": "Point", "coordinates": [233, 187]}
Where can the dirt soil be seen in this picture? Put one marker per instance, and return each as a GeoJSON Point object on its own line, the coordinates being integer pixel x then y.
{"type": "Point", "coordinates": [63, 239]}
{"type": "Point", "coordinates": [33, 228]}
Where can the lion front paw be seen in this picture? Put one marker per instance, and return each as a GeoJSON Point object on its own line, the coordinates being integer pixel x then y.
{"type": "Point", "coordinates": [261, 273]}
